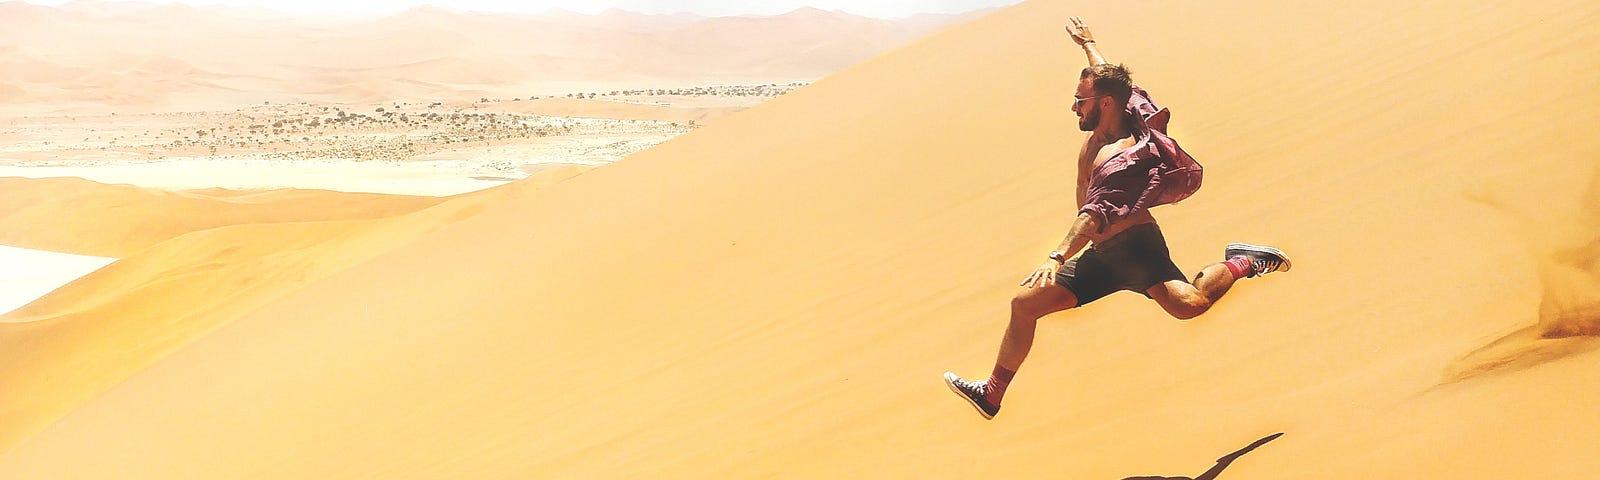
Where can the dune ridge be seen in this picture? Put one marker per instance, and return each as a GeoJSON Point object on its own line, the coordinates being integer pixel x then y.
{"type": "Point", "coordinates": [79, 216]}
{"type": "Point", "coordinates": [736, 303]}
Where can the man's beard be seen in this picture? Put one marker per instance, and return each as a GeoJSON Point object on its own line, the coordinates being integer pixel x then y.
{"type": "Point", "coordinates": [1089, 120]}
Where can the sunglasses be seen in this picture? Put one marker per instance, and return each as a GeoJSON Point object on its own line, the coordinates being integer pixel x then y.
{"type": "Point", "coordinates": [1080, 100]}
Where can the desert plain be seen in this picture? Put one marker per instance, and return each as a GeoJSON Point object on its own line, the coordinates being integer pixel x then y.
{"type": "Point", "coordinates": [704, 285]}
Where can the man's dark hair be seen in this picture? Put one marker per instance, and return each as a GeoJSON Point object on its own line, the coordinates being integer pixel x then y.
{"type": "Point", "coordinates": [1113, 80]}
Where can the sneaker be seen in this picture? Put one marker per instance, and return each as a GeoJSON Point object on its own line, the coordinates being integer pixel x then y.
{"type": "Point", "coordinates": [1263, 260]}
{"type": "Point", "coordinates": [976, 393]}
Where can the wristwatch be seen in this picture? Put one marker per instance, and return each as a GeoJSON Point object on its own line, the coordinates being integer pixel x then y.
{"type": "Point", "coordinates": [1059, 256]}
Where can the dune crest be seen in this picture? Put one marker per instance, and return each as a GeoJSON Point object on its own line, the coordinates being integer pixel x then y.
{"type": "Point", "coordinates": [62, 214]}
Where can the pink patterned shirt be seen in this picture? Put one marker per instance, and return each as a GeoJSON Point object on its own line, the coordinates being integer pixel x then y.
{"type": "Point", "coordinates": [1155, 171]}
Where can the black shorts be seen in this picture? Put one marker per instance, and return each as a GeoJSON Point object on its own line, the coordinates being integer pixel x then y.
{"type": "Point", "coordinates": [1135, 259]}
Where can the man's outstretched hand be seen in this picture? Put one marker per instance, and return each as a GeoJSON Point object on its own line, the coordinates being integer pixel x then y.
{"type": "Point", "coordinates": [1044, 275]}
{"type": "Point", "coordinates": [1079, 30]}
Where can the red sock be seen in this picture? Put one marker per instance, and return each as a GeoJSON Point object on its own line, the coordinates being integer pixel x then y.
{"type": "Point", "coordinates": [1239, 266]}
{"type": "Point", "coordinates": [998, 381]}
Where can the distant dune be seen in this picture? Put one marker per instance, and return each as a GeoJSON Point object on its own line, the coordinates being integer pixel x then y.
{"type": "Point", "coordinates": [125, 54]}
{"type": "Point", "coordinates": [775, 294]}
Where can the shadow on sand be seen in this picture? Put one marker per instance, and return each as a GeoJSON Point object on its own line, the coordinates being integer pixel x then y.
{"type": "Point", "coordinates": [1221, 462]}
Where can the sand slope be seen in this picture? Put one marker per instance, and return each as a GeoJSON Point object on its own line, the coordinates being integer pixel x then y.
{"type": "Point", "coordinates": [737, 303]}
{"type": "Point", "coordinates": [96, 331]}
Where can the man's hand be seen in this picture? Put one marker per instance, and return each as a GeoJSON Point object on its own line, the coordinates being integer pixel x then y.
{"type": "Point", "coordinates": [1079, 30]}
{"type": "Point", "coordinates": [1043, 275]}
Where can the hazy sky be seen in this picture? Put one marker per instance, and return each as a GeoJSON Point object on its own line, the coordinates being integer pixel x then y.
{"type": "Point", "coordinates": [875, 8]}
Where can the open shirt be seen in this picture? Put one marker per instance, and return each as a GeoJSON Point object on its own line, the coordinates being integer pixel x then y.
{"type": "Point", "coordinates": [1155, 171]}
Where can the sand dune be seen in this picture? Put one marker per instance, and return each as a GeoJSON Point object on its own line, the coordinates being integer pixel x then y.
{"type": "Point", "coordinates": [740, 303]}
{"type": "Point", "coordinates": [467, 54]}
{"type": "Point", "coordinates": [96, 331]}
{"type": "Point", "coordinates": [79, 216]}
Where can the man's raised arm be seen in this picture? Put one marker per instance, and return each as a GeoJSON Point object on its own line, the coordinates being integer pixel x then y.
{"type": "Point", "coordinates": [1080, 33]}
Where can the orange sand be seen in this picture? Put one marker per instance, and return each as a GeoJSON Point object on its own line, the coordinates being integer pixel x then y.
{"type": "Point", "coordinates": [776, 294]}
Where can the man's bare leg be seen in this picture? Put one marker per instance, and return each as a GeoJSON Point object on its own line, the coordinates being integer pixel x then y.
{"type": "Point", "coordinates": [1184, 300]}
{"type": "Point", "coordinates": [1026, 309]}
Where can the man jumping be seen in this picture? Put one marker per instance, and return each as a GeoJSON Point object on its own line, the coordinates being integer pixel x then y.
{"type": "Point", "coordinates": [1127, 166]}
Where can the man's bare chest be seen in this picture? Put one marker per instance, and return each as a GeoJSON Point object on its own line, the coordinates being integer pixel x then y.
{"type": "Point", "coordinates": [1096, 154]}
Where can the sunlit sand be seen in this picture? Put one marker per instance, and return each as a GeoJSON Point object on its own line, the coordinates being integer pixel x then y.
{"type": "Point", "coordinates": [774, 291]}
